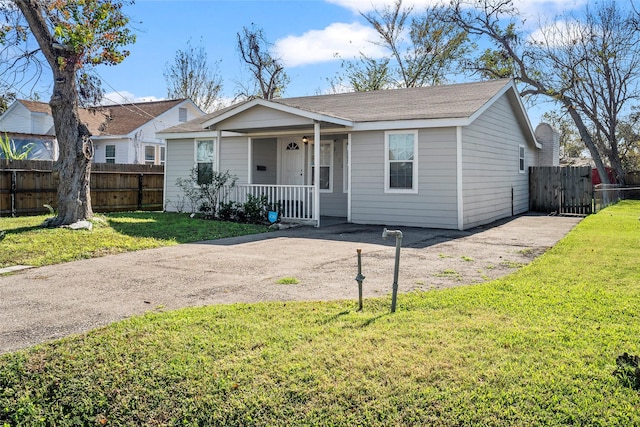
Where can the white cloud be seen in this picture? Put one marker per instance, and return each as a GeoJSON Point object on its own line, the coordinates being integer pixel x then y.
{"type": "Point", "coordinates": [124, 97]}
{"type": "Point", "coordinates": [560, 33]}
{"type": "Point", "coordinates": [338, 40]}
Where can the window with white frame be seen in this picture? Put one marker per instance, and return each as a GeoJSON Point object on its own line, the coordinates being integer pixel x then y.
{"type": "Point", "coordinates": [162, 154]}
{"type": "Point", "coordinates": [110, 153]}
{"type": "Point", "coordinates": [521, 159]}
{"type": "Point", "coordinates": [326, 166]}
{"type": "Point", "coordinates": [149, 155]}
{"type": "Point", "coordinates": [205, 160]}
{"type": "Point", "coordinates": [401, 161]}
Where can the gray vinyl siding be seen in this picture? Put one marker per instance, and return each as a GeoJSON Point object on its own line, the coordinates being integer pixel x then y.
{"type": "Point", "coordinates": [335, 203]}
{"type": "Point", "coordinates": [233, 157]}
{"type": "Point", "coordinates": [179, 160]}
{"type": "Point", "coordinates": [435, 204]}
{"type": "Point", "coordinates": [490, 166]}
{"type": "Point", "coordinates": [259, 117]}
{"type": "Point", "coordinates": [265, 153]}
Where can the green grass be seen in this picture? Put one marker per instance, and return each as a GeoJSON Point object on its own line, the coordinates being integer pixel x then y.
{"type": "Point", "coordinates": [537, 347]}
{"type": "Point", "coordinates": [287, 281]}
{"type": "Point", "coordinates": [26, 243]}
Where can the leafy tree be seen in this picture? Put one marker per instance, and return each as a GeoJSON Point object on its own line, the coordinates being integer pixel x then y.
{"type": "Point", "coordinates": [432, 51]}
{"type": "Point", "coordinates": [72, 36]}
{"type": "Point", "coordinates": [189, 76]}
{"type": "Point", "coordinates": [629, 141]}
{"type": "Point", "coordinates": [589, 64]}
{"type": "Point", "coordinates": [363, 75]}
{"type": "Point", "coordinates": [269, 79]}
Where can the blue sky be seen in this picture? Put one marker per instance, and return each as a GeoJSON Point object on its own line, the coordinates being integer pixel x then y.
{"type": "Point", "coordinates": [309, 36]}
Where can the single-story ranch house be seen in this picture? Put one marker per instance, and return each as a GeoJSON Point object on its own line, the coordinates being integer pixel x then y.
{"type": "Point", "coordinates": [452, 156]}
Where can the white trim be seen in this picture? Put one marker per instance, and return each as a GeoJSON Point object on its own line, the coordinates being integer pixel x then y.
{"type": "Point", "coordinates": [312, 164]}
{"type": "Point", "coordinates": [410, 124]}
{"type": "Point", "coordinates": [216, 149]}
{"type": "Point", "coordinates": [250, 160]}
{"type": "Point", "coordinates": [349, 177]}
{"type": "Point", "coordinates": [459, 186]}
{"type": "Point", "coordinates": [316, 190]}
{"type": "Point", "coordinates": [215, 152]}
{"type": "Point", "coordinates": [192, 134]}
{"type": "Point", "coordinates": [522, 156]}
{"type": "Point", "coordinates": [414, 181]}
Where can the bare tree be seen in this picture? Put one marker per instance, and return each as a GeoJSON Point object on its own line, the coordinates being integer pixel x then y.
{"type": "Point", "coordinates": [432, 51]}
{"type": "Point", "coordinates": [268, 76]}
{"type": "Point", "coordinates": [72, 36]}
{"type": "Point", "coordinates": [589, 64]}
{"type": "Point", "coordinates": [190, 76]}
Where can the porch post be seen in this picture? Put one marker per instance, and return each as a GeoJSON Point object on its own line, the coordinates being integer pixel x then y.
{"type": "Point", "coordinates": [460, 198]}
{"type": "Point", "coordinates": [316, 173]}
{"type": "Point", "coordinates": [349, 177]}
{"type": "Point", "coordinates": [249, 161]}
{"type": "Point", "coordinates": [217, 148]}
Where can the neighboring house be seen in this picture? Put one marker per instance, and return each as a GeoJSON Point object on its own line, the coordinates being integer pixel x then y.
{"type": "Point", "coordinates": [120, 133]}
{"type": "Point", "coordinates": [451, 156]}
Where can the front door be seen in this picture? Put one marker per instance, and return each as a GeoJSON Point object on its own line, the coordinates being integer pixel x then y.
{"type": "Point", "coordinates": [292, 163]}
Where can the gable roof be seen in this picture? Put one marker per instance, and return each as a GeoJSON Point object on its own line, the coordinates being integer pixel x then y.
{"type": "Point", "coordinates": [430, 102]}
{"type": "Point", "coordinates": [111, 120]}
{"type": "Point", "coordinates": [444, 105]}
{"type": "Point", "coordinates": [125, 118]}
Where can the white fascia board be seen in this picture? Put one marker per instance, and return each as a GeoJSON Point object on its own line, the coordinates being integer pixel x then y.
{"type": "Point", "coordinates": [198, 135]}
{"type": "Point", "coordinates": [109, 137]}
{"type": "Point", "coordinates": [410, 124]}
{"type": "Point", "coordinates": [280, 107]}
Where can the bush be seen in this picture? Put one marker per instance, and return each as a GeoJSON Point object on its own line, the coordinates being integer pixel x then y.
{"type": "Point", "coordinates": [205, 197]}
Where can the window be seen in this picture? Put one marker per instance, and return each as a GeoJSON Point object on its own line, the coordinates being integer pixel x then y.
{"type": "Point", "coordinates": [110, 154]}
{"type": "Point", "coordinates": [205, 160]}
{"type": "Point", "coordinates": [521, 159]}
{"type": "Point", "coordinates": [162, 151]}
{"type": "Point", "coordinates": [401, 162]}
{"type": "Point", "coordinates": [149, 155]}
{"type": "Point", "coordinates": [182, 114]}
{"type": "Point", "coordinates": [326, 166]}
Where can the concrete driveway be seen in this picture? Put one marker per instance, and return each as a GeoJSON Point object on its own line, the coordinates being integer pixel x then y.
{"type": "Point", "coordinates": [45, 303]}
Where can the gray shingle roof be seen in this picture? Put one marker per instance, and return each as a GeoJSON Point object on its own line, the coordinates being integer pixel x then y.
{"type": "Point", "coordinates": [433, 102]}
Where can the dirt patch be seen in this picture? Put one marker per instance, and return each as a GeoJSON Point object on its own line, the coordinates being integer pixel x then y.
{"type": "Point", "coordinates": [50, 302]}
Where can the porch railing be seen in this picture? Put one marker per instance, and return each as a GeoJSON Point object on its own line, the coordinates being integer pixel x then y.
{"type": "Point", "coordinates": [293, 202]}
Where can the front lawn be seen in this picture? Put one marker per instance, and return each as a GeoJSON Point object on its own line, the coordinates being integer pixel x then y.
{"type": "Point", "coordinates": [26, 243]}
{"type": "Point", "coordinates": [538, 347]}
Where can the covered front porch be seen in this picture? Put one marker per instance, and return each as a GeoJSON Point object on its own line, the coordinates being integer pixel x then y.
{"type": "Point", "coordinates": [299, 164]}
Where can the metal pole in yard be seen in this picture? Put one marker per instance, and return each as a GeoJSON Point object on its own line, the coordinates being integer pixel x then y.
{"type": "Point", "coordinates": [359, 279]}
{"type": "Point", "coordinates": [398, 235]}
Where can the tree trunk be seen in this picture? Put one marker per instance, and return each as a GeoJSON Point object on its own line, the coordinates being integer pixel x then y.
{"type": "Point", "coordinates": [588, 142]}
{"type": "Point", "coordinates": [76, 152]}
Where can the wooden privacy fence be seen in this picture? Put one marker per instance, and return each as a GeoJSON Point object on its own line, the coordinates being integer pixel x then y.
{"type": "Point", "coordinates": [561, 190]}
{"type": "Point", "coordinates": [27, 185]}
